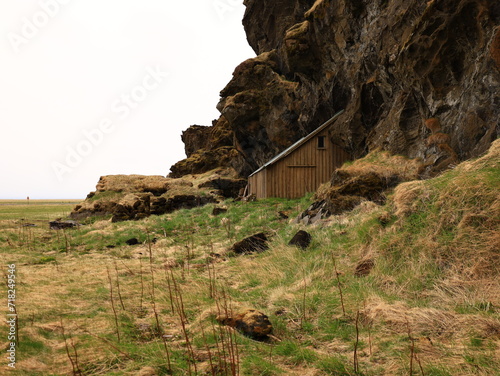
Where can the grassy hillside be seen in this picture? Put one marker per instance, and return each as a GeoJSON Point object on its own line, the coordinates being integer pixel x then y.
{"type": "Point", "coordinates": [382, 290]}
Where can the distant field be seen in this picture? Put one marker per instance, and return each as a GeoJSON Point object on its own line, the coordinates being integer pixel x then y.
{"type": "Point", "coordinates": [36, 210]}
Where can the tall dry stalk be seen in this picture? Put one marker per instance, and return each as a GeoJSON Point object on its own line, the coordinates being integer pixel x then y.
{"type": "Point", "coordinates": [66, 242]}
{"type": "Point", "coordinates": [108, 342]}
{"type": "Point", "coordinates": [339, 284]}
{"type": "Point", "coordinates": [111, 298]}
{"type": "Point", "coordinates": [303, 318]}
{"type": "Point", "coordinates": [370, 323]}
{"type": "Point", "coordinates": [228, 337]}
{"type": "Point", "coordinates": [72, 359]}
{"type": "Point", "coordinates": [183, 319]}
{"type": "Point", "coordinates": [356, 344]}
{"type": "Point", "coordinates": [211, 279]}
{"type": "Point", "coordinates": [118, 286]}
{"type": "Point", "coordinates": [413, 354]}
{"type": "Point", "coordinates": [142, 284]}
{"type": "Point", "coordinates": [153, 302]}
{"type": "Point", "coordinates": [213, 370]}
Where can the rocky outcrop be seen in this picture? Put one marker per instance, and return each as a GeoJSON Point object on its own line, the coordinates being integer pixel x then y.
{"type": "Point", "coordinates": [134, 197]}
{"type": "Point", "coordinates": [390, 64]}
{"type": "Point", "coordinates": [196, 137]}
{"type": "Point", "coordinates": [206, 148]}
{"type": "Point", "coordinates": [155, 184]}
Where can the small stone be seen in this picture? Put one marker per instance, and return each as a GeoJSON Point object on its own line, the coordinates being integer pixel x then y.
{"type": "Point", "coordinates": [283, 215]}
{"type": "Point", "coordinates": [301, 239]}
{"type": "Point", "coordinates": [59, 225]}
{"type": "Point", "coordinates": [254, 243]}
{"type": "Point", "coordinates": [132, 241]}
{"type": "Point", "coordinates": [250, 322]}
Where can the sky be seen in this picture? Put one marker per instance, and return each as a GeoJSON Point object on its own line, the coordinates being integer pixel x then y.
{"type": "Point", "coordinates": [103, 87]}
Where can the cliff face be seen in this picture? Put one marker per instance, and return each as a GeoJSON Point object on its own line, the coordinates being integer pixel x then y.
{"type": "Point", "coordinates": [390, 64]}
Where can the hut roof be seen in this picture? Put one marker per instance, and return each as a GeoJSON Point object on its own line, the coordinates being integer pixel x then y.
{"type": "Point", "coordinates": [297, 144]}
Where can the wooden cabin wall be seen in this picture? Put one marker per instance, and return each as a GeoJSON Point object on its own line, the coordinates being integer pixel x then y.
{"type": "Point", "coordinates": [305, 169]}
{"type": "Point", "coordinates": [300, 172]}
{"type": "Point", "coordinates": [257, 184]}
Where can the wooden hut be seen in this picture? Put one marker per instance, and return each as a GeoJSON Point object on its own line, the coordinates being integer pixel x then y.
{"type": "Point", "coordinates": [301, 168]}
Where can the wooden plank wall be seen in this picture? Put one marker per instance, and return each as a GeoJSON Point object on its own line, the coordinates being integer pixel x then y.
{"type": "Point", "coordinates": [257, 184]}
{"type": "Point", "coordinates": [300, 172]}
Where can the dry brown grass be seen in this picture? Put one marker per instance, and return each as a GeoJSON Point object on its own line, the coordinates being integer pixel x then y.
{"type": "Point", "coordinates": [431, 322]}
{"type": "Point", "coordinates": [408, 197]}
{"type": "Point", "coordinates": [385, 165]}
{"type": "Point", "coordinates": [132, 183]}
{"type": "Point", "coordinates": [460, 208]}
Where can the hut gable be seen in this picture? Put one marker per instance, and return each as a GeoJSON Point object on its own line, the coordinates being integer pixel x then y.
{"type": "Point", "coordinates": [300, 168]}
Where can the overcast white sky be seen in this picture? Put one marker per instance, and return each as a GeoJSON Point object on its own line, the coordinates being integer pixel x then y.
{"type": "Point", "coordinates": [100, 87]}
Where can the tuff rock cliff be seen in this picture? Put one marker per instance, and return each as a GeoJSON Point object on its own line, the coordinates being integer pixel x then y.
{"type": "Point", "coordinates": [391, 64]}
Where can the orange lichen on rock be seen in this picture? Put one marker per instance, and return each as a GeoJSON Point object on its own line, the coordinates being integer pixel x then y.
{"type": "Point", "coordinates": [495, 48]}
{"type": "Point", "coordinates": [438, 138]}
{"type": "Point", "coordinates": [433, 124]}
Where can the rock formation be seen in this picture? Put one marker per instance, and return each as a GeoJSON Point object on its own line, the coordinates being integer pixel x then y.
{"type": "Point", "coordinates": [133, 197]}
{"type": "Point", "coordinates": [390, 64]}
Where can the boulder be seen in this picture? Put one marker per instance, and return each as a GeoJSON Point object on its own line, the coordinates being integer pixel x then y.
{"type": "Point", "coordinates": [132, 241]}
{"type": "Point", "coordinates": [251, 244]}
{"type": "Point", "coordinates": [250, 322]}
{"type": "Point", "coordinates": [301, 239]}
